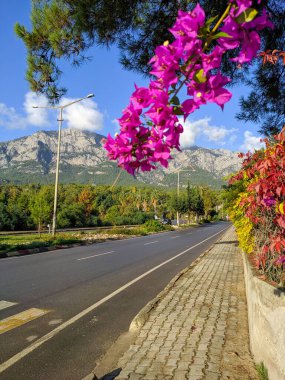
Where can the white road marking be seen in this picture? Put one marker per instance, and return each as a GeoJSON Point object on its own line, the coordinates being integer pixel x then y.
{"type": "Point", "coordinates": [151, 242]}
{"type": "Point", "coordinates": [174, 237]}
{"type": "Point", "coordinates": [31, 338]}
{"type": "Point", "coordinates": [189, 233]}
{"type": "Point", "coordinates": [14, 359]}
{"type": "Point", "coordinates": [55, 322]}
{"type": "Point", "coordinates": [99, 254]}
{"type": "Point", "coordinates": [5, 304]}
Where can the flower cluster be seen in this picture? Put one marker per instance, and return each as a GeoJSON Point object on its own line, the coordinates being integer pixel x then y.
{"type": "Point", "coordinates": [263, 204]}
{"type": "Point", "coordinates": [149, 126]}
{"type": "Point", "coordinates": [243, 26]}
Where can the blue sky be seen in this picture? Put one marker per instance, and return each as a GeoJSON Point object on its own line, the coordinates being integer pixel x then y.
{"type": "Point", "coordinates": [112, 85]}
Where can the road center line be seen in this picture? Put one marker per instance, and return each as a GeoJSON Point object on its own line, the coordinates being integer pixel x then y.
{"type": "Point", "coordinates": [174, 237]}
{"type": "Point", "coordinates": [151, 242]}
{"type": "Point", "coordinates": [14, 359]}
{"type": "Point", "coordinates": [99, 254]}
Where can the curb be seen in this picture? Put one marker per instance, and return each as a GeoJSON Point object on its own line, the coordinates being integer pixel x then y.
{"type": "Point", "coordinates": [141, 318]}
{"type": "Point", "coordinates": [24, 252]}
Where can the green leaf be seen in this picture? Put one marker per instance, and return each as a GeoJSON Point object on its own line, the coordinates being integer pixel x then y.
{"type": "Point", "coordinates": [178, 111]}
{"type": "Point", "coordinates": [221, 34]}
{"type": "Point", "coordinates": [199, 76]}
{"type": "Point", "coordinates": [175, 100]}
{"type": "Point", "coordinates": [209, 22]}
{"type": "Point", "coordinates": [247, 15]}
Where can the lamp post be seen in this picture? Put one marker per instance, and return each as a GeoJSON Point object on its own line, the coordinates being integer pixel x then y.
{"type": "Point", "coordinates": [60, 120]}
{"type": "Point", "coordinates": [178, 189]}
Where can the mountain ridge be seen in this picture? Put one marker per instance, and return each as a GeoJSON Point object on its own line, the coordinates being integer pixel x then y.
{"type": "Point", "coordinates": [33, 158]}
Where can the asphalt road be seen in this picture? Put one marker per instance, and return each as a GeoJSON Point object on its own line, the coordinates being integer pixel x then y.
{"type": "Point", "coordinates": [84, 298]}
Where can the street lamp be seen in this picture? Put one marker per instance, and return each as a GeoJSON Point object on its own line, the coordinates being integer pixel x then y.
{"type": "Point", "coordinates": [60, 120]}
{"type": "Point", "coordinates": [178, 188]}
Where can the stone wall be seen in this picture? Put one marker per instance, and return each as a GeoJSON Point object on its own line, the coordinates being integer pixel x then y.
{"type": "Point", "coordinates": [266, 319]}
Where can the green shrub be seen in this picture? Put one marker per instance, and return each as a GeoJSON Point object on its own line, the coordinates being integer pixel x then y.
{"type": "Point", "coordinates": [154, 226]}
{"type": "Point", "coordinates": [63, 241]}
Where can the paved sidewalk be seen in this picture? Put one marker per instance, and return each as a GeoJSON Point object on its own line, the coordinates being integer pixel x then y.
{"type": "Point", "coordinates": [199, 329]}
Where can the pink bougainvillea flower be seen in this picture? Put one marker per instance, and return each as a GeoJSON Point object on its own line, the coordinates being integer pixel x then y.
{"type": "Point", "coordinates": [141, 98]}
{"type": "Point", "coordinates": [259, 23]}
{"type": "Point", "coordinates": [188, 23]}
{"type": "Point", "coordinates": [160, 110]}
{"type": "Point", "coordinates": [269, 202]}
{"type": "Point", "coordinates": [210, 91]}
{"type": "Point", "coordinates": [212, 60]}
{"type": "Point", "coordinates": [149, 127]}
{"type": "Point", "coordinates": [250, 47]}
{"type": "Point", "coordinates": [189, 106]}
{"type": "Point", "coordinates": [165, 64]}
{"type": "Point", "coordinates": [243, 34]}
{"type": "Point", "coordinates": [242, 5]}
{"type": "Point", "coordinates": [130, 118]}
{"type": "Point", "coordinates": [219, 95]}
{"type": "Point", "coordinates": [232, 28]}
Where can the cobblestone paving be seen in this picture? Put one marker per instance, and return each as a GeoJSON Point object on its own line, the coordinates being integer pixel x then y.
{"type": "Point", "coordinates": [199, 329]}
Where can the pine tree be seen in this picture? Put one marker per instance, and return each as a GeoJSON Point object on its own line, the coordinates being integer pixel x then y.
{"type": "Point", "coordinates": [65, 29]}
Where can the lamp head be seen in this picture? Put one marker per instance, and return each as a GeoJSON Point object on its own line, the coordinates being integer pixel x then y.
{"type": "Point", "coordinates": [90, 96]}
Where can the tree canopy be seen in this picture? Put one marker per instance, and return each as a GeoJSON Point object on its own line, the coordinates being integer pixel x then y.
{"type": "Point", "coordinates": [28, 207]}
{"type": "Point", "coordinates": [65, 29]}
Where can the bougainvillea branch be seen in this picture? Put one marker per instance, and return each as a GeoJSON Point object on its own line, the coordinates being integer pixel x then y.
{"type": "Point", "coordinates": [149, 126]}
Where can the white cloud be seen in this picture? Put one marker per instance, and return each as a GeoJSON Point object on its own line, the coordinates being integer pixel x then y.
{"type": "Point", "coordinates": [202, 128]}
{"type": "Point", "coordinates": [10, 119]}
{"type": "Point", "coordinates": [190, 133]}
{"type": "Point", "coordinates": [36, 116]}
{"type": "Point", "coordinates": [216, 133]}
{"type": "Point", "coordinates": [83, 115]}
{"type": "Point", "coordinates": [251, 142]}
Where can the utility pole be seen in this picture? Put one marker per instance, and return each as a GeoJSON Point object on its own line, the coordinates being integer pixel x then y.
{"type": "Point", "coordinates": [178, 190]}
{"type": "Point", "coordinates": [60, 120]}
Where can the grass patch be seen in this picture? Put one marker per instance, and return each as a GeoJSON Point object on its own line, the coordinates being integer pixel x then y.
{"type": "Point", "coordinates": [11, 243]}
{"type": "Point", "coordinates": [17, 242]}
{"type": "Point", "coordinates": [143, 230]}
{"type": "Point", "coordinates": [262, 371]}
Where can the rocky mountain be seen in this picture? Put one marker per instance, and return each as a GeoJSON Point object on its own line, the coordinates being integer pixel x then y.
{"type": "Point", "coordinates": [83, 160]}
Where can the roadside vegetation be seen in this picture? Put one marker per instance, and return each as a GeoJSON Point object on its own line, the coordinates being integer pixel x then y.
{"type": "Point", "coordinates": [255, 199]}
{"type": "Point", "coordinates": [30, 207]}
{"type": "Point", "coordinates": [9, 243]}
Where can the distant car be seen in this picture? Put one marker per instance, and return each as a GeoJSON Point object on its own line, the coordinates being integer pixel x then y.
{"type": "Point", "coordinates": [166, 221]}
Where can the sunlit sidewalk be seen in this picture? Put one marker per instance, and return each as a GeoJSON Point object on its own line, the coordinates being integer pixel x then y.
{"type": "Point", "coordinates": [199, 328]}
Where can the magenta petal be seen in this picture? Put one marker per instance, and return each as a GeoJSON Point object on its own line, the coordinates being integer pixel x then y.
{"type": "Point", "coordinates": [189, 106]}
